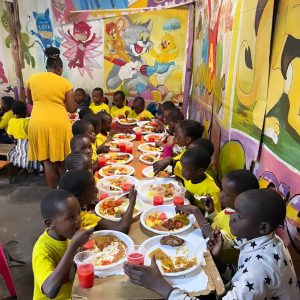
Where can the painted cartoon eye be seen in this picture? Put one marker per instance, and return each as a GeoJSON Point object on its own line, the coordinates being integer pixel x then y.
{"type": "Point", "coordinates": [84, 32]}
{"type": "Point", "coordinates": [147, 37]}
{"type": "Point", "coordinates": [141, 36]}
{"type": "Point", "coordinates": [168, 43]}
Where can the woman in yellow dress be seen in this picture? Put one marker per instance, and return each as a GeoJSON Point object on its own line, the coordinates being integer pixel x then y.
{"type": "Point", "coordinates": [49, 130]}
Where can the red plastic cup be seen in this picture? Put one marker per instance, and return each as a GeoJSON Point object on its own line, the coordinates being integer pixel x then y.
{"type": "Point", "coordinates": [85, 274]}
{"type": "Point", "coordinates": [158, 200]}
{"type": "Point", "coordinates": [135, 256]}
{"type": "Point", "coordinates": [129, 148]}
{"type": "Point", "coordinates": [113, 124]}
{"type": "Point", "coordinates": [178, 196]}
{"type": "Point", "coordinates": [178, 200]}
{"type": "Point", "coordinates": [102, 161]}
{"type": "Point", "coordinates": [138, 135]}
{"type": "Point", "coordinates": [122, 147]}
{"type": "Point", "coordinates": [151, 138]}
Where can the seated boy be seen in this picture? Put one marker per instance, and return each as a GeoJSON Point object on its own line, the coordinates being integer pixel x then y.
{"type": "Point", "coordinates": [52, 256]}
{"type": "Point", "coordinates": [105, 133]}
{"type": "Point", "coordinates": [265, 269]}
{"type": "Point", "coordinates": [81, 142]}
{"type": "Point", "coordinates": [138, 110]}
{"type": "Point", "coordinates": [120, 109]}
{"type": "Point", "coordinates": [97, 104]}
{"type": "Point", "coordinates": [81, 98]}
{"type": "Point", "coordinates": [6, 114]}
{"type": "Point", "coordinates": [78, 160]}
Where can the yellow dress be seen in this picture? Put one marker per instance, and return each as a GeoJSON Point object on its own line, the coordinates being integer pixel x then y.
{"type": "Point", "coordinates": [49, 129]}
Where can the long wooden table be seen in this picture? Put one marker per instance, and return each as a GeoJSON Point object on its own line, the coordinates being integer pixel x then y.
{"type": "Point", "coordinates": [119, 287]}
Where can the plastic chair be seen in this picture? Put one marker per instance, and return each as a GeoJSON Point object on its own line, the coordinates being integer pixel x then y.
{"type": "Point", "coordinates": [4, 271]}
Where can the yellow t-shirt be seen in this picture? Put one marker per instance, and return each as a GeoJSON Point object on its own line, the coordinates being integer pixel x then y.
{"type": "Point", "coordinates": [97, 108]}
{"type": "Point", "coordinates": [100, 139]}
{"type": "Point", "coordinates": [116, 112]}
{"type": "Point", "coordinates": [207, 186]}
{"type": "Point", "coordinates": [221, 222]}
{"type": "Point", "coordinates": [18, 128]}
{"type": "Point", "coordinates": [46, 255]}
{"type": "Point", "coordinates": [89, 220]}
{"type": "Point", "coordinates": [178, 167]}
{"type": "Point", "coordinates": [144, 114]}
{"type": "Point", "coordinates": [94, 149]}
{"type": "Point", "coordinates": [5, 119]}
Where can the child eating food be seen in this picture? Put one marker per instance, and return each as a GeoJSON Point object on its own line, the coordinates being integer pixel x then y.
{"type": "Point", "coordinates": [98, 104]}
{"type": "Point", "coordinates": [119, 109]}
{"type": "Point", "coordinates": [138, 110]}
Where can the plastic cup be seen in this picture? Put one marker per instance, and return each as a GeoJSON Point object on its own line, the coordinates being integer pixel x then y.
{"type": "Point", "coordinates": [136, 256]}
{"type": "Point", "coordinates": [178, 196]}
{"type": "Point", "coordinates": [122, 147]}
{"type": "Point", "coordinates": [102, 161]}
{"type": "Point", "coordinates": [138, 135]}
{"type": "Point", "coordinates": [151, 138]}
{"type": "Point", "coordinates": [129, 147]}
{"type": "Point", "coordinates": [85, 261]}
{"type": "Point", "coordinates": [158, 195]}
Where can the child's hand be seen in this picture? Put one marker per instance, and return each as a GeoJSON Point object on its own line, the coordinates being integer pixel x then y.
{"type": "Point", "coordinates": [186, 209]}
{"type": "Point", "coordinates": [190, 196]}
{"type": "Point", "coordinates": [209, 205]}
{"type": "Point", "coordinates": [111, 134]}
{"type": "Point", "coordinates": [103, 148]}
{"type": "Point", "coordinates": [132, 196]}
{"type": "Point", "coordinates": [159, 144]}
{"type": "Point", "coordinates": [81, 237]}
{"type": "Point", "coordinates": [160, 165]}
{"type": "Point", "coordinates": [170, 140]}
{"type": "Point", "coordinates": [215, 243]}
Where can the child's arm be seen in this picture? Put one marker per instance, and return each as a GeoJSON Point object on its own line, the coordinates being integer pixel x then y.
{"type": "Point", "coordinates": [103, 148]}
{"type": "Point", "coordinates": [124, 224]}
{"type": "Point", "coordinates": [60, 275]}
{"type": "Point", "coordinates": [161, 164]}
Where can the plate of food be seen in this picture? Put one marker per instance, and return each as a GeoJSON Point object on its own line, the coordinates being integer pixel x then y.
{"type": "Point", "coordinates": [116, 184]}
{"type": "Point", "coordinates": [116, 169]}
{"type": "Point", "coordinates": [118, 158]}
{"type": "Point", "coordinates": [114, 207]}
{"type": "Point", "coordinates": [110, 248]}
{"type": "Point", "coordinates": [175, 256]}
{"type": "Point", "coordinates": [158, 137]}
{"type": "Point", "coordinates": [150, 147]}
{"type": "Point", "coordinates": [113, 145]}
{"type": "Point", "coordinates": [149, 172]}
{"type": "Point", "coordinates": [163, 219]}
{"type": "Point", "coordinates": [145, 129]}
{"type": "Point", "coordinates": [124, 136]}
{"type": "Point", "coordinates": [142, 123]}
{"type": "Point", "coordinates": [149, 158]}
{"type": "Point", "coordinates": [128, 121]}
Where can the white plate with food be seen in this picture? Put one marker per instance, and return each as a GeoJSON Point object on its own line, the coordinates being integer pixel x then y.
{"type": "Point", "coordinates": [113, 145]}
{"type": "Point", "coordinates": [158, 137]}
{"type": "Point", "coordinates": [150, 147]}
{"type": "Point", "coordinates": [175, 256]}
{"type": "Point", "coordinates": [124, 136]}
{"type": "Point", "coordinates": [142, 123]}
{"type": "Point", "coordinates": [114, 207]}
{"type": "Point", "coordinates": [166, 173]}
{"type": "Point", "coordinates": [118, 158]}
{"type": "Point", "coordinates": [116, 169]}
{"type": "Point", "coordinates": [145, 129]}
{"type": "Point", "coordinates": [149, 158]}
{"type": "Point", "coordinates": [128, 121]}
{"type": "Point", "coordinates": [163, 219]}
{"type": "Point", "coordinates": [110, 248]}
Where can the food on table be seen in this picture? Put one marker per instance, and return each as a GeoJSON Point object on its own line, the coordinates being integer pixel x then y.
{"type": "Point", "coordinates": [147, 129]}
{"type": "Point", "coordinates": [159, 221]}
{"type": "Point", "coordinates": [151, 157]}
{"type": "Point", "coordinates": [150, 148]}
{"type": "Point", "coordinates": [115, 170]}
{"type": "Point", "coordinates": [169, 188]}
{"type": "Point", "coordinates": [124, 136]}
{"type": "Point", "coordinates": [156, 137]}
{"type": "Point", "coordinates": [113, 144]}
{"type": "Point", "coordinates": [163, 174]}
{"type": "Point", "coordinates": [173, 264]}
{"type": "Point", "coordinates": [118, 184]}
{"type": "Point", "coordinates": [172, 240]}
{"type": "Point", "coordinates": [128, 121]}
{"type": "Point", "coordinates": [120, 158]}
{"type": "Point", "coordinates": [112, 207]}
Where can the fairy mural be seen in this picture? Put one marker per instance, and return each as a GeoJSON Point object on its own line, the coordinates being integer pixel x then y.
{"type": "Point", "coordinates": [145, 60]}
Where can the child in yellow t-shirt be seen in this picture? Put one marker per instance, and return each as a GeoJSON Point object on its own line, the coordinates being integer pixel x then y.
{"type": "Point", "coordinates": [82, 185]}
{"type": "Point", "coordinates": [97, 104]}
{"type": "Point", "coordinates": [105, 133]}
{"type": "Point", "coordinates": [138, 110]}
{"type": "Point", "coordinates": [6, 114]}
{"type": "Point", "coordinates": [52, 256]}
{"type": "Point", "coordinates": [120, 109]}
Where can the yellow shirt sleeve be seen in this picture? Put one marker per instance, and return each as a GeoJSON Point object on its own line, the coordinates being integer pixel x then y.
{"type": "Point", "coordinates": [5, 118]}
{"type": "Point", "coordinates": [94, 155]}
{"type": "Point", "coordinates": [89, 220]}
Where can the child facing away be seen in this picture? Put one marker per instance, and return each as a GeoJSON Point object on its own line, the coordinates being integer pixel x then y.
{"type": "Point", "coordinates": [265, 269]}
{"type": "Point", "coordinates": [52, 256]}
{"type": "Point", "coordinates": [120, 109]}
{"type": "Point", "coordinates": [18, 130]}
{"type": "Point", "coordinates": [82, 185]}
{"type": "Point", "coordinates": [82, 98]}
{"type": "Point", "coordinates": [138, 110]}
{"type": "Point", "coordinates": [78, 160]}
{"type": "Point", "coordinates": [6, 114]}
{"type": "Point", "coordinates": [97, 104]}
{"type": "Point", "coordinates": [233, 184]}
{"type": "Point", "coordinates": [105, 133]}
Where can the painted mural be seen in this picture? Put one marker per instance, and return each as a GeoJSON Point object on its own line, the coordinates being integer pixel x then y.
{"type": "Point", "coordinates": [146, 60]}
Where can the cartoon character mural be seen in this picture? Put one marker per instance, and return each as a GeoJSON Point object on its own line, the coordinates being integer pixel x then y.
{"type": "Point", "coordinates": [81, 48]}
{"type": "Point", "coordinates": [24, 41]}
{"type": "Point", "coordinates": [3, 78]}
{"type": "Point", "coordinates": [44, 32]}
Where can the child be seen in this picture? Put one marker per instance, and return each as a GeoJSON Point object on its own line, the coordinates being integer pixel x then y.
{"type": "Point", "coordinates": [82, 185]}
{"type": "Point", "coordinates": [138, 110]}
{"type": "Point", "coordinates": [233, 184]}
{"type": "Point", "coordinates": [52, 256]}
{"type": "Point", "coordinates": [165, 106]}
{"type": "Point", "coordinates": [81, 98]}
{"type": "Point", "coordinates": [6, 114]}
{"type": "Point", "coordinates": [84, 111]}
{"type": "Point", "coordinates": [171, 118]}
{"type": "Point", "coordinates": [97, 104]}
{"type": "Point", "coordinates": [18, 130]}
{"type": "Point", "coordinates": [265, 270]}
{"type": "Point", "coordinates": [81, 142]}
{"type": "Point", "coordinates": [106, 133]}
{"type": "Point", "coordinates": [194, 163]}
{"type": "Point", "coordinates": [85, 127]}
{"type": "Point", "coordinates": [119, 109]}
{"type": "Point", "coordinates": [78, 160]}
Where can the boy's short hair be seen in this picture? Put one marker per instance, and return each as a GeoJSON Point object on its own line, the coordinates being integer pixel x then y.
{"type": "Point", "coordinates": [174, 114]}
{"type": "Point", "coordinates": [75, 181]}
{"type": "Point", "coordinates": [84, 111]}
{"type": "Point", "coordinates": [92, 118]}
{"type": "Point", "coordinates": [120, 93]}
{"type": "Point", "coordinates": [243, 180]}
{"type": "Point", "coordinates": [168, 104]}
{"type": "Point", "coordinates": [80, 126]}
{"type": "Point", "coordinates": [192, 128]}
{"type": "Point", "coordinates": [8, 101]}
{"type": "Point", "coordinates": [75, 160]}
{"type": "Point", "coordinates": [75, 139]}
{"type": "Point", "coordinates": [98, 89]}
{"type": "Point", "coordinates": [103, 115]}
{"type": "Point", "coordinates": [51, 201]}
{"type": "Point", "coordinates": [139, 99]}
{"type": "Point", "coordinates": [199, 157]}
{"type": "Point", "coordinates": [80, 90]}
{"type": "Point", "coordinates": [204, 144]}
{"type": "Point", "coordinates": [267, 205]}
{"type": "Point", "coordinates": [19, 108]}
